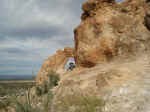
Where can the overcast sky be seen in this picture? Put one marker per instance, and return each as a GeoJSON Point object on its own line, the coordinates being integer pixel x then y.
{"type": "Point", "coordinates": [32, 30]}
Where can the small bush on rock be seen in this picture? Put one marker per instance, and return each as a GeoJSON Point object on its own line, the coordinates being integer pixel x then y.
{"type": "Point", "coordinates": [53, 79]}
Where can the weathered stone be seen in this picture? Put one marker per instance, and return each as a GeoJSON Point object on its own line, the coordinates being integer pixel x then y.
{"type": "Point", "coordinates": [108, 31]}
{"type": "Point", "coordinates": [112, 52]}
{"type": "Point", "coordinates": [55, 63]}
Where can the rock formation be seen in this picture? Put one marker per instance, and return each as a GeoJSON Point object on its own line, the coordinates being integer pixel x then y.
{"type": "Point", "coordinates": [112, 43]}
{"type": "Point", "coordinates": [110, 30]}
{"type": "Point", "coordinates": [112, 46]}
{"type": "Point", "coordinates": [124, 86]}
{"type": "Point", "coordinates": [55, 63]}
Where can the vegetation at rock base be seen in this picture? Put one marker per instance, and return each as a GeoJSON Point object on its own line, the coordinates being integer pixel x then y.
{"type": "Point", "coordinates": [10, 88]}
{"type": "Point", "coordinates": [4, 104]}
{"type": "Point", "coordinates": [26, 105]}
{"type": "Point", "coordinates": [44, 96]}
{"type": "Point", "coordinates": [25, 101]}
{"type": "Point", "coordinates": [53, 79]}
{"type": "Point", "coordinates": [78, 102]}
{"type": "Point", "coordinates": [43, 100]}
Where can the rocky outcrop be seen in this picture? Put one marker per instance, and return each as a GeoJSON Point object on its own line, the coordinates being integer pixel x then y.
{"type": "Point", "coordinates": [112, 43]}
{"type": "Point", "coordinates": [109, 30]}
{"type": "Point", "coordinates": [112, 53]}
{"type": "Point", "coordinates": [123, 86]}
{"type": "Point", "coordinates": [55, 63]}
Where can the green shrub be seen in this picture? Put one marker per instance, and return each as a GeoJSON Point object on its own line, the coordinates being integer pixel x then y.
{"type": "Point", "coordinates": [38, 91]}
{"type": "Point", "coordinates": [47, 102]}
{"type": "Point", "coordinates": [25, 105]}
{"type": "Point", "coordinates": [4, 104]}
{"type": "Point", "coordinates": [5, 91]}
{"type": "Point", "coordinates": [45, 87]}
{"type": "Point", "coordinates": [52, 81]}
{"type": "Point", "coordinates": [28, 104]}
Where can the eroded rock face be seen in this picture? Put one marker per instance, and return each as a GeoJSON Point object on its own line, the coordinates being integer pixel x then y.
{"type": "Point", "coordinates": [55, 63]}
{"type": "Point", "coordinates": [110, 30]}
{"type": "Point", "coordinates": [123, 86]}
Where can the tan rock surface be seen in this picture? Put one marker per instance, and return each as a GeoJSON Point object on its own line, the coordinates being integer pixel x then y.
{"type": "Point", "coordinates": [108, 31]}
{"type": "Point", "coordinates": [124, 86]}
{"type": "Point", "coordinates": [112, 43]}
{"type": "Point", "coordinates": [112, 52]}
{"type": "Point", "coordinates": [111, 30]}
{"type": "Point", "coordinates": [55, 63]}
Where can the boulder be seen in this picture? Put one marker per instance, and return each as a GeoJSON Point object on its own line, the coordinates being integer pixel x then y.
{"type": "Point", "coordinates": [109, 30]}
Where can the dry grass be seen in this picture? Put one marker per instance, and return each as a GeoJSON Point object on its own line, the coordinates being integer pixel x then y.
{"type": "Point", "coordinates": [78, 102]}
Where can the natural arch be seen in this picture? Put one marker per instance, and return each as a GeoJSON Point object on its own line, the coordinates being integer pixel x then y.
{"type": "Point", "coordinates": [55, 63]}
{"type": "Point", "coordinates": [119, 1]}
{"type": "Point", "coordinates": [70, 60]}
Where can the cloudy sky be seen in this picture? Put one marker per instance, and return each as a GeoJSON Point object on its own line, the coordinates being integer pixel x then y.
{"type": "Point", "coordinates": [32, 30]}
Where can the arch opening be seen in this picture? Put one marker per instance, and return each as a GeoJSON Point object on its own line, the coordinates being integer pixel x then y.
{"type": "Point", "coordinates": [70, 64]}
{"type": "Point", "coordinates": [118, 1]}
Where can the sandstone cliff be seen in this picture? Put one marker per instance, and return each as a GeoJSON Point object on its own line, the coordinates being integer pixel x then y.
{"type": "Point", "coordinates": [112, 46]}
{"type": "Point", "coordinates": [112, 43]}
{"type": "Point", "coordinates": [55, 63]}
{"type": "Point", "coordinates": [110, 30]}
{"type": "Point", "coordinates": [123, 86]}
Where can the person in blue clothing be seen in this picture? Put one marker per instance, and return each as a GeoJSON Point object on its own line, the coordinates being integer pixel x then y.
{"type": "Point", "coordinates": [71, 66]}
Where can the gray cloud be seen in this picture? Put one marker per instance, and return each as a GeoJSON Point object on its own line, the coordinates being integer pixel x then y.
{"type": "Point", "coordinates": [32, 30]}
{"type": "Point", "coordinates": [37, 18]}
{"type": "Point", "coordinates": [13, 51]}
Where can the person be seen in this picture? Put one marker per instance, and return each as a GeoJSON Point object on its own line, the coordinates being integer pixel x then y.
{"type": "Point", "coordinates": [71, 66]}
